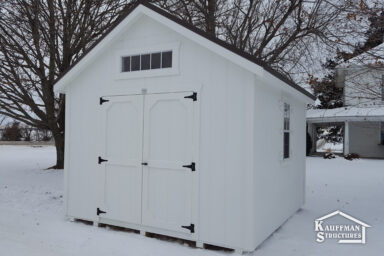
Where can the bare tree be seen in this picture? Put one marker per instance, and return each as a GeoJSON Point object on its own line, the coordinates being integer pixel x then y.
{"type": "Point", "coordinates": [363, 78]}
{"type": "Point", "coordinates": [290, 35]}
{"type": "Point", "coordinates": [39, 40]}
{"type": "Point", "coordinates": [26, 133]}
{"type": "Point", "coordinates": [357, 73]}
{"type": "Point", "coordinates": [204, 14]}
{"type": "Point", "coordinates": [285, 34]}
{"type": "Point", "coordinates": [2, 119]}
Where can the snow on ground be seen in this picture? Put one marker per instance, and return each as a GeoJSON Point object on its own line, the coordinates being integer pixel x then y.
{"type": "Point", "coordinates": [323, 146]}
{"type": "Point", "coordinates": [32, 217]}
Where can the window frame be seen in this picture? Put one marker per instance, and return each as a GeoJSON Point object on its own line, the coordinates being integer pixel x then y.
{"type": "Point", "coordinates": [286, 130]}
{"type": "Point", "coordinates": [174, 70]}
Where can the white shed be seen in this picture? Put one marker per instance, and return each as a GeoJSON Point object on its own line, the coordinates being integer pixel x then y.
{"type": "Point", "coordinates": [171, 131]}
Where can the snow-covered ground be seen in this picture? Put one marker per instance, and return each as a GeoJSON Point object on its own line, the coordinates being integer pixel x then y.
{"type": "Point", "coordinates": [323, 146]}
{"type": "Point", "coordinates": [32, 221]}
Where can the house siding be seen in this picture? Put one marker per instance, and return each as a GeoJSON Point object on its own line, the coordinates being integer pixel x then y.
{"type": "Point", "coordinates": [363, 87]}
{"type": "Point", "coordinates": [365, 139]}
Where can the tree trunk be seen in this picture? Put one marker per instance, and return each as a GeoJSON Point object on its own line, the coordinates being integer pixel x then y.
{"type": "Point", "coordinates": [59, 144]}
{"type": "Point", "coordinates": [210, 17]}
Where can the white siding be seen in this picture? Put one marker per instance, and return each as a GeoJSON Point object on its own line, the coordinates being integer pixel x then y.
{"type": "Point", "coordinates": [279, 184]}
{"type": "Point", "coordinates": [363, 87]}
{"type": "Point", "coordinates": [245, 191]}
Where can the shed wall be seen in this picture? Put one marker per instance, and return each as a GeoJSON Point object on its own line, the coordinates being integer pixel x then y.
{"type": "Point", "coordinates": [279, 184]}
{"type": "Point", "coordinates": [225, 96]}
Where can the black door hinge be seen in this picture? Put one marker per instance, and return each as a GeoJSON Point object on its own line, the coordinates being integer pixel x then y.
{"type": "Point", "coordinates": [191, 166]}
{"type": "Point", "coordinates": [102, 100]}
{"type": "Point", "coordinates": [98, 212]}
{"type": "Point", "coordinates": [100, 160]}
{"type": "Point", "coordinates": [193, 96]}
{"type": "Point", "coordinates": [190, 227]}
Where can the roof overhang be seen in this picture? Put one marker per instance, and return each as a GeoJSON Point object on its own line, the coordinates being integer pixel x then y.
{"type": "Point", "coordinates": [196, 35]}
{"type": "Point", "coordinates": [343, 119]}
{"type": "Point", "coordinates": [346, 114]}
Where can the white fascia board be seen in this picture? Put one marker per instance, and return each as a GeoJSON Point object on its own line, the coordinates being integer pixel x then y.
{"type": "Point", "coordinates": [97, 50]}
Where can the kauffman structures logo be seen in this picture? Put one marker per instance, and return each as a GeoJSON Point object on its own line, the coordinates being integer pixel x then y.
{"type": "Point", "coordinates": [346, 229]}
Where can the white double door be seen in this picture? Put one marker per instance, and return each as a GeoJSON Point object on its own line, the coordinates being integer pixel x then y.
{"type": "Point", "coordinates": [148, 175]}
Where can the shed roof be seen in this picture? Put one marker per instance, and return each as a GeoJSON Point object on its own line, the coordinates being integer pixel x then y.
{"type": "Point", "coordinates": [197, 31]}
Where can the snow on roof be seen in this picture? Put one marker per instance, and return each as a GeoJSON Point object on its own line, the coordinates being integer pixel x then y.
{"type": "Point", "coordinates": [372, 113]}
{"type": "Point", "coordinates": [374, 56]}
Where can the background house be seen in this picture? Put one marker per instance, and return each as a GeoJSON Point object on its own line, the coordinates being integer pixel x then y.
{"type": "Point", "coordinates": [362, 116]}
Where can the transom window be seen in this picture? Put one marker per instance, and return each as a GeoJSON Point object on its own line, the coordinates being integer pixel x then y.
{"type": "Point", "coordinates": [286, 139]}
{"type": "Point", "coordinates": [147, 61]}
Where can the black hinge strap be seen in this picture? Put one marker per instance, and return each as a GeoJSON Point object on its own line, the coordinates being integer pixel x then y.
{"type": "Point", "coordinates": [102, 100]}
{"type": "Point", "coordinates": [191, 166]}
{"type": "Point", "coordinates": [98, 212]}
{"type": "Point", "coordinates": [190, 227]}
{"type": "Point", "coordinates": [193, 96]}
{"type": "Point", "coordinates": [100, 160]}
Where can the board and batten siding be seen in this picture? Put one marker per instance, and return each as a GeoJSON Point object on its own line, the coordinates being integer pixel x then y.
{"type": "Point", "coordinates": [246, 190]}
{"type": "Point", "coordinates": [226, 94]}
{"type": "Point", "coordinates": [279, 184]}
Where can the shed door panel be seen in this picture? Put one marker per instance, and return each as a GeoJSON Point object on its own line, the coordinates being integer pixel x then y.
{"type": "Point", "coordinates": [123, 129]}
{"type": "Point", "coordinates": [168, 144]}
